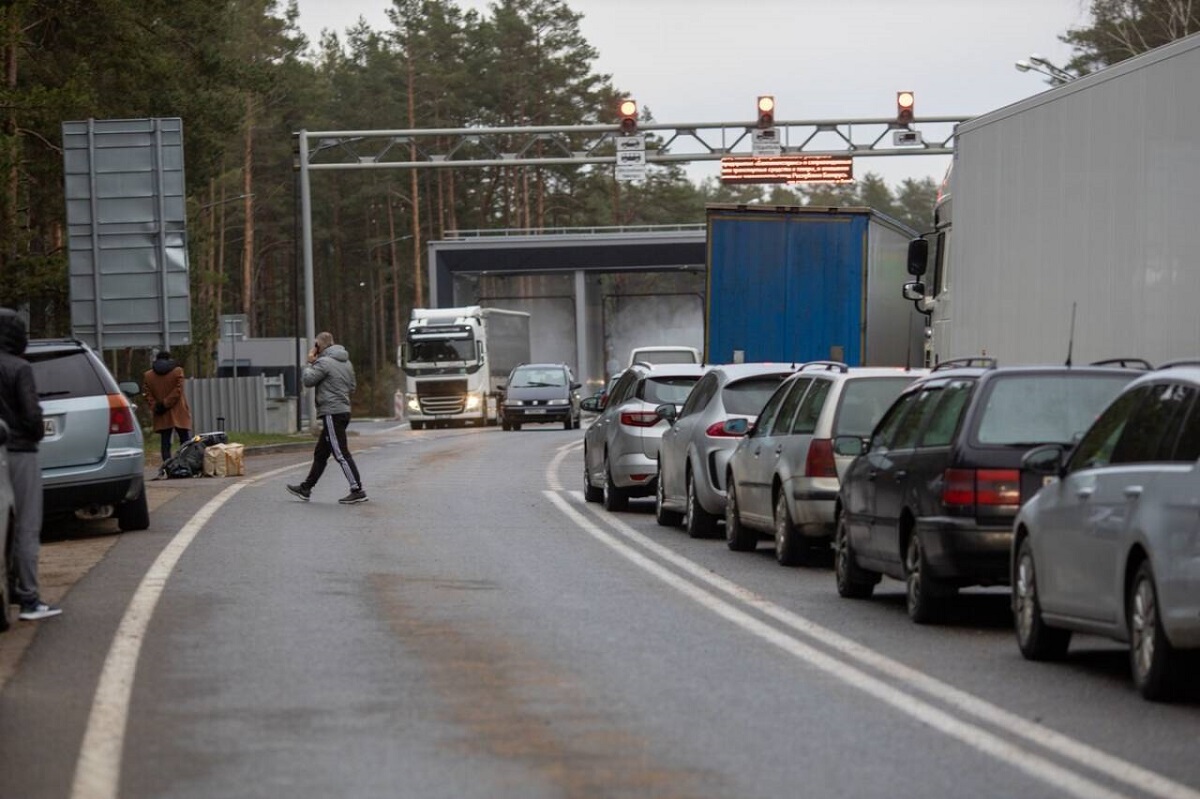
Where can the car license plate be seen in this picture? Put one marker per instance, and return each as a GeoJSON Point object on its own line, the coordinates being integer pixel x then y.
{"type": "Point", "coordinates": [535, 410]}
{"type": "Point", "coordinates": [50, 427]}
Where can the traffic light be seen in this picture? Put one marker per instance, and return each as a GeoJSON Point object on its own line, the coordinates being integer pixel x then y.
{"type": "Point", "coordinates": [629, 116]}
{"type": "Point", "coordinates": [766, 111]}
{"type": "Point", "coordinates": [904, 107]}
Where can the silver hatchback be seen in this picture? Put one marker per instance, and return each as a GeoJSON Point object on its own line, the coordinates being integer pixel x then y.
{"type": "Point", "coordinates": [620, 448]}
{"type": "Point", "coordinates": [783, 478]}
{"type": "Point", "coordinates": [92, 457]}
{"type": "Point", "coordinates": [695, 450]}
{"type": "Point", "coordinates": [1111, 543]}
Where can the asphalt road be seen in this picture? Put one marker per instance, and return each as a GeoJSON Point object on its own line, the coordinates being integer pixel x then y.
{"type": "Point", "coordinates": [477, 630]}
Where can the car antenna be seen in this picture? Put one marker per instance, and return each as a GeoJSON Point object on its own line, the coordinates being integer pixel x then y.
{"type": "Point", "coordinates": [1071, 337]}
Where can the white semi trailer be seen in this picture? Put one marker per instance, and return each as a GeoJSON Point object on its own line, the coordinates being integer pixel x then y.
{"type": "Point", "coordinates": [456, 360]}
{"type": "Point", "coordinates": [1084, 197]}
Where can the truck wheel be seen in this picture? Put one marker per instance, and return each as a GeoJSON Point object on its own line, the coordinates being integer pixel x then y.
{"type": "Point", "coordinates": [417, 425]}
{"type": "Point", "coordinates": [134, 514]}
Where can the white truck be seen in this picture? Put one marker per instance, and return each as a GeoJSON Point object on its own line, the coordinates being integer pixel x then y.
{"type": "Point", "coordinates": [455, 362]}
{"type": "Point", "coordinates": [1078, 202]}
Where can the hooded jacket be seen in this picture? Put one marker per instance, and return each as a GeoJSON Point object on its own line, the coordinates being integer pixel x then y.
{"type": "Point", "coordinates": [19, 406]}
{"type": "Point", "coordinates": [162, 386]}
{"type": "Point", "coordinates": [332, 375]}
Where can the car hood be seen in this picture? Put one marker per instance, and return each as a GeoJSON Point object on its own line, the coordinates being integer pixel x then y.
{"type": "Point", "coordinates": [534, 393]}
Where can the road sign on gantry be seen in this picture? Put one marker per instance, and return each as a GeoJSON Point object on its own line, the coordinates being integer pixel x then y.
{"type": "Point", "coordinates": [127, 232]}
{"type": "Point", "coordinates": [631, 158]}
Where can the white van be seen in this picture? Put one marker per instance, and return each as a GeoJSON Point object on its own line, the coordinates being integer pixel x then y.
{"type": "Point", "coordinates": [664, 354]}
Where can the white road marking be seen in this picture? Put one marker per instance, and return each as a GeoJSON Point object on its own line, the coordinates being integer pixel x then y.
{"type": "Point", "coordinates": [98, 770]}
{"type": "Point", "coordinates": [552, 469]}
{"type": "Point", "coordinates": [976, 737]}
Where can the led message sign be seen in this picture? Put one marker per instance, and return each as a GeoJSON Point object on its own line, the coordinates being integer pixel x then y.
{"type": "Point", "coordinates": [787, 169]}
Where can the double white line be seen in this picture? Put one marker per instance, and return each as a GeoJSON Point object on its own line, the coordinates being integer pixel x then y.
{"type": "Point", "coordinates": [963, 725]}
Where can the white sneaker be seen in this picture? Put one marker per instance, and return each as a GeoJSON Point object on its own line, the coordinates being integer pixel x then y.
{"type": "Point", "coordinates": [32, 611]}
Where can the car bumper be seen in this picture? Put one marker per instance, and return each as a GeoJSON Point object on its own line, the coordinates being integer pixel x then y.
{"type": "Point", "coordinates": [115, 480]}
{"type": "Point", "coordinates": [966, 552]}
{"type": "Point", "coordinates": [539, 415]}
{"type": "Point", "coordinates": [630, 466]}
{"type": "Point", "coordinates": [813, 502]}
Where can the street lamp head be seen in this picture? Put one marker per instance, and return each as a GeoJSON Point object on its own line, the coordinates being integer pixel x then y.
{"type": "Point", "coordinates": [1022, 66]}
{"type": "Point", "coordinates": [1037, 59]}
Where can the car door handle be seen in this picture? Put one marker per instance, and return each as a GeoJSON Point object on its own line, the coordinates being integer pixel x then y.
{"type": "Point", "coordinates": [1085, 492]}
{"type": "Point", "coordinates": [779, 449]}
{"type": "Point", "coordinates": [1133, 492]}
{"type": "Point", "coordinates": [900, 475]}
{"type": "Point", "coordinates": [871, 475]}
{"type": "Point", "coordinates": [757, 450]}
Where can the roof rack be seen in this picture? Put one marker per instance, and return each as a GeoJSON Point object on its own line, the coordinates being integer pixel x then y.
{"type": "Point", "coordinates": [1185, 362]}
{"type": "Point", "coordinates": [1125, 363]}
{"type": "Point", "coordinates": [975, 361]}
{"type": "Point", "coordinates": [829, 366]}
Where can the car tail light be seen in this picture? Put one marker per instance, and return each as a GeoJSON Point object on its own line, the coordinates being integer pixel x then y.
{"type": "Point", "coordinates": [989, 487]}
{"type": "Point", "coordinates": [640, 418]}
{"type": "Point", "coordinates": [819, 462]}
{"type": "Point", "coordinates": [120, 415]}
{"type": "Point", "coordinates": [717, 430]}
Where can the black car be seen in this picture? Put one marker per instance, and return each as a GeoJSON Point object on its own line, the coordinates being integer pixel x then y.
{"type": "Point", "coordinates": [932, 499]}
{"type": "Point", "coordinates": [540, 393]}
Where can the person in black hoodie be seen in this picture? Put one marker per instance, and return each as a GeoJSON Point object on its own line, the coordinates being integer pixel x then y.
{"type": "Point", "coordinates": [21, 411]}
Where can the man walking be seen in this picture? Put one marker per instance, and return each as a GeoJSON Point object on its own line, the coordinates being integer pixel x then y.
{"type": "Point", "coordinates": [21, 411]}
{"type": "Point", "coordinates": [329, 370]}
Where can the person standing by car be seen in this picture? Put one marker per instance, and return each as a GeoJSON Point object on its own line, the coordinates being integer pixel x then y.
{"type": "Point", "coordinates": [329, 371]}
{"type": "Point", "coordinates": [163, 387]}
{"type": "Point", "coordinates": [21, 411]}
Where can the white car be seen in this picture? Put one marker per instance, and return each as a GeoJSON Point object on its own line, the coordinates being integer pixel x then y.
{"type": "Point", "coordinates": [663, 354]}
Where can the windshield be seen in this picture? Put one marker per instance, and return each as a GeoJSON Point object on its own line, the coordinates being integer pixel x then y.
{"type": "Point", "coordinates": [430, 347]}
{"type": "Point", "coordinates": [533, 377]}
{"type": "Point", "coordinates": [864, 401]}
{"type": "Point", "coordinates": [1045, 409]}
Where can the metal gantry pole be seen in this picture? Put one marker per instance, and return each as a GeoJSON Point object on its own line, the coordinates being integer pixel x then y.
{"type": "Point", "coordinates": [310, 306]}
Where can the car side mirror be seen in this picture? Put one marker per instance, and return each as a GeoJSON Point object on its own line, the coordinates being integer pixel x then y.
{"type": "Point", "coordinates": [1046, 460]}
{"type": "Point", "coordinates": [914, 291]}
{"type": "Point", "coordinates": [576, 386]}
{"type": "Point", "coordinates": [850, 446]}
{"type": "Point", "coordinates": [918, 257]}
{"type": "Point", "coordinates": [666, 411]}
{"type": "Point", "coordinates": [502, 386]}
{"type": "Point", "coordinates": [736, 427]}
{"type": "Point", "coordinates": [591, 404]}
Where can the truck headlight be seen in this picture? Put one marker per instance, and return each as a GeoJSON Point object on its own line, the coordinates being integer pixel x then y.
{"type": "Point", "coordinates": [474, 402]}
{"type": "Point", "coordinates": [414, 403]}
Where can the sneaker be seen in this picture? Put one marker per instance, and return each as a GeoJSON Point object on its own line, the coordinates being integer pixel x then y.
{"type": "Point", "coordinates": [32, 611]}
{"type": "Point", "coordinates": [300, 491]}
{"type": "Point", "coordinates": [354, 497]}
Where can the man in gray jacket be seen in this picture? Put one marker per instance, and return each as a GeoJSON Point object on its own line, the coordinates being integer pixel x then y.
{"type": "Point", "coordinates": [329, 371]}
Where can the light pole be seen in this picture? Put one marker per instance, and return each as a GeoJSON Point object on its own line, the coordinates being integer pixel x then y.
{"type": "Point", "coordinates": [1044, 66]}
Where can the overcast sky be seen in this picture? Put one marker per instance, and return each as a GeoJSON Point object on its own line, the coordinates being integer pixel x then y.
{"type": "Point", "coordinates": [708, 60]}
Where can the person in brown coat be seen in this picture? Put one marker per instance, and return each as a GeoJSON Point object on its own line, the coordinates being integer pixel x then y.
{"type": "Point", "coordinates": [163, 387]}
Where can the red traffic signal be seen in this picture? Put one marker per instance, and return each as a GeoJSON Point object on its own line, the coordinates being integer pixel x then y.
{"type": "Point", "coordinates": [628, 111]}
{"type": "Point", "coordinates": [904, 107]}
{"type": "Point", "coordinates": [766, 111]}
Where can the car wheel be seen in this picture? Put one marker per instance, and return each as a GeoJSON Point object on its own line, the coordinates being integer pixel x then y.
{"type": "Point", "coordinates": [1153, 662]}
{"type": "Point", "coordinates": [666, 518]}
{"type": "Point", "coordinates": [925, 596]}
{"type": "Point", "coordinates": [516, 425]}
{"type": "Point", "coordinates": [578, 421]}
{"type": "Point", "coordinates": [853, 581]}
{"type": "Point", "coordinates": [790, 546]}
{"type": "Point", "coordinates": [590, 492]}
{"type": "Point", "coordinates": [698, 522]}
{"type": "Point", "coordinates": [504, 425]}
{"type": "Point", "coordinates": [567, 425]}
{"type": "Point", "coordinates": [1036, 639]}
{"type": "Point", "coordinates": [615, 498]}
{"type": "Point", "coordinates": [134, 514]}
{"type": "Point", "coordinates": [737, 537]}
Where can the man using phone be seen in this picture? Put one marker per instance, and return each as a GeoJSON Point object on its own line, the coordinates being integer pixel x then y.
{"type": "Point", "coordinates": [330, 372]}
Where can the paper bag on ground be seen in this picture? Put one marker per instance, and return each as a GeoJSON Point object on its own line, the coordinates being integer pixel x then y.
{"type": "Point", "coordinates": [235, 463]}
{"type": "Point", "coordinates": [215, 462]}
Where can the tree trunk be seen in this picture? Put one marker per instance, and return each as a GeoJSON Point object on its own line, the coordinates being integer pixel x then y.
{"type": "Point", "coordinates": [248, 221]}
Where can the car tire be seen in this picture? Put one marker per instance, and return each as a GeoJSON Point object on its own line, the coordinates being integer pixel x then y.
{"type": "Point", "coordinates": [737, 537]}
{"type": "Point", "coordinates": [790, 546]}
{"type": "Point", "coordinates": [925, 597]}
{"type": "Point", "coordinates": [853, 581]}
{"type": "Point", "coordinates": [417, 425]}
{"type": "Point", "coordinates": [590, 492]}
{"type": "Point", "coordinates": [698, 522]}
{"type": "Point", "coordinates": [579, 421]}
{"type": "Point", "coordinates": [1153, 662]}
{"type": "Point", "coordinates": [568, 424]}
{"type": "Point", "coordinates": [516, 425]}
{"type": "Point", "coordinates": [505, 426]}
{"type": "Point", "coordinates": [134, 515]}
{"type": "Point", "coordinates": [1036, 639]}
{"type": "Point", "coordinates": [664, 517]}
{"type": "Point", "coordinates": [615, 498]}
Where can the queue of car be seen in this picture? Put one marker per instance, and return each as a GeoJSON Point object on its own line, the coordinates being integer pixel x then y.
{"type": "Point", "coordinates": [1078, 487]}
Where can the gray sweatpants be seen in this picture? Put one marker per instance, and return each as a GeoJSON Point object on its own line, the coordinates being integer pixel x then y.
{"type": "Point", "coordinates": [26, 476]}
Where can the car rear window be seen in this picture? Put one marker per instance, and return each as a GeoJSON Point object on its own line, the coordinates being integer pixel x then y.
{"type": "Point", "coordinates": [665, 356]}
{"type": "Point", "coordinates": [1045, 409]}
{"type": "Point", "coordinates": [864, 401]}
{"type": "Point", "coordinates": [64, 374]}
{"type": "Point", "coordinates": [659, 390]}
{"type": "Point", "coordinates": [747, 397]}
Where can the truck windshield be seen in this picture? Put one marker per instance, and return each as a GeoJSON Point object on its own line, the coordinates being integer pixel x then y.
{"type": "Point", "coordinates": [440, 347]}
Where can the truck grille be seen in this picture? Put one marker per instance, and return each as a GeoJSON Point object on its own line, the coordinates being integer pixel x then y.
{"type": "Point", "coordinates": [442, 396]}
